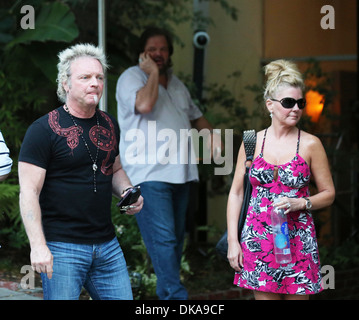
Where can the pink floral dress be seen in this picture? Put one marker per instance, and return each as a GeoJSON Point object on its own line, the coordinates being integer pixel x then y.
{"type": "Point", "coordinates": [260, 271]}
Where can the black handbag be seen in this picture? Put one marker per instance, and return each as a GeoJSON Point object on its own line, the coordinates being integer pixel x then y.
{"type": "Point", "coordinates": [249, 140]}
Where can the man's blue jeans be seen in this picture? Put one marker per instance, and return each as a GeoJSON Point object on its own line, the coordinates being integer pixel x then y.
{"type": "Point", "coordinates": [100, 268]}
{"type": "Point", "coordinates": [162, 223]}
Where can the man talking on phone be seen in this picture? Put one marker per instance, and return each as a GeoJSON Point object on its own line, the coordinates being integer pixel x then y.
{"type": "Point", "coordinates": [151, 102]}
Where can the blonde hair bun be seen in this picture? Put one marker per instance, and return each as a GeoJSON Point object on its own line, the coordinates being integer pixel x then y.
{"type": "Point", "coordinates": [281, 73]}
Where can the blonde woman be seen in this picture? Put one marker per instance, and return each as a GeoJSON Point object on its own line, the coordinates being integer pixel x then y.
{"type": "Point", "coordinates": [284, 161]}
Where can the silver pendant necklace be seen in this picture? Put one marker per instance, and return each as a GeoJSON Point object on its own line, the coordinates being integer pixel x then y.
{"type": "Point", "coordinates": [94, 161]}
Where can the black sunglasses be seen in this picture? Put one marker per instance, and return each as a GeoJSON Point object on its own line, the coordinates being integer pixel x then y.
{"type": "Point", "coordinates": [289, 103]}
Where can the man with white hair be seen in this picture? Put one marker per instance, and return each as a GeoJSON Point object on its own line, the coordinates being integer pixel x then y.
{"type": "Point", "coordinates": [69, 167]}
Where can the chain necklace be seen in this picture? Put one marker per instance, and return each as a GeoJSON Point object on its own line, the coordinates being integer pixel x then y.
{"type": "Point", "coordinates": [94, 162]}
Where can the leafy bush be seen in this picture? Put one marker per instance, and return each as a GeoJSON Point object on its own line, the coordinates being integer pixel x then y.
{"type": "Point", "coordinates": [343, 256]}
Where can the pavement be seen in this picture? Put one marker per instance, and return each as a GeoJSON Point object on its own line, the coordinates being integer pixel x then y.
{"type": "Point", "coordinates": [12, 291]}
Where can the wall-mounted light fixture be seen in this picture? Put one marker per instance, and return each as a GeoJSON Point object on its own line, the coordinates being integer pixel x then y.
{"type": "Point", "coordinates": [315, 104]}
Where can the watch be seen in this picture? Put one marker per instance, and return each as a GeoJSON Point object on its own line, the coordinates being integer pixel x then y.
{"type": "Point", "coordinates": [308, 204]}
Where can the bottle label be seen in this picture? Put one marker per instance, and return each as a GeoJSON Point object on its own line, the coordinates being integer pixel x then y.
{"type": "Point", "coordinates": [282, 239]}
{"type": "Point", "coordinates": [284, 228]}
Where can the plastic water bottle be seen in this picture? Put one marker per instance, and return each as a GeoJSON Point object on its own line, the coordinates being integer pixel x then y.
{"type": "Point", "coordinates": [280, 235]}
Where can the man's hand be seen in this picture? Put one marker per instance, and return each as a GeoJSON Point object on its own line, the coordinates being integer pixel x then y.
{"type": "Point", "coordinates": [42, 260]}
{"type": "Point", "coordinates": [147, 64]}
{"type": "Point", "coordinates": [217, 145]}
{"type": "Point", "coordinates": [135, 207]}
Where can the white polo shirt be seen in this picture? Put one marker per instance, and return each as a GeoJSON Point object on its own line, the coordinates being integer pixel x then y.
{"type": "Point", "coordinates": [5, 160]}
{"type": "Point", "coordinates": [156, 146]}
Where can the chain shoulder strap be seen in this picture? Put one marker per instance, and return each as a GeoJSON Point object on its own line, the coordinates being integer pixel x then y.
{"type": "Point", "coordinates": [249, 140]}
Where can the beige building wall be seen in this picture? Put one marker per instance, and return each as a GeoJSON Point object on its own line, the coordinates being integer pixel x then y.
{"type": "Point", "coordinates": [293, 30]}
{"type": "Point", "coordinates": [234, 46]}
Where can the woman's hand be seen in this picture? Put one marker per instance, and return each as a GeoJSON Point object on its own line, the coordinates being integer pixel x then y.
{"type": "Point", "coordinates": [235, 256]}
{"type": "Point", "coordinates": [290, 204]}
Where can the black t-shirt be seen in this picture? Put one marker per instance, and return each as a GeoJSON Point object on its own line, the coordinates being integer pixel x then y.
{"type": "Point", "coordinates": [71, 210]}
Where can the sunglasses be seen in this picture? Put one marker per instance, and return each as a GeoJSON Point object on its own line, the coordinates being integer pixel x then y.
{"type": "Point", "coordinates": [289, 103]}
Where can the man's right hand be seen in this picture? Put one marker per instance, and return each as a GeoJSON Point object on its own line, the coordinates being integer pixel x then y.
{"type": "Point", "coordinates": [147, 64]}
{"type": "Point", "coordinates": [147, 96]}
{"type": "Point", "coordinates": [42, 260]}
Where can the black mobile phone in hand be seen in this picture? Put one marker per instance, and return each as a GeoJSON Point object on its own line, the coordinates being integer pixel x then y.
{"type": "Point", "coordinates": [130, 197]}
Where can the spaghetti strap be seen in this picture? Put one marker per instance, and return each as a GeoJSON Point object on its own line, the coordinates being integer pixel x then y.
{"type": "Point", "coordinates": [298, 141]}
{"type": "Point", "coordinates": [264, 138]}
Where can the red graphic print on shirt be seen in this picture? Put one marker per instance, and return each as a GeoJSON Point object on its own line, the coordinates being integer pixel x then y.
{"type": "Point", "coordinates": [106, 137]}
